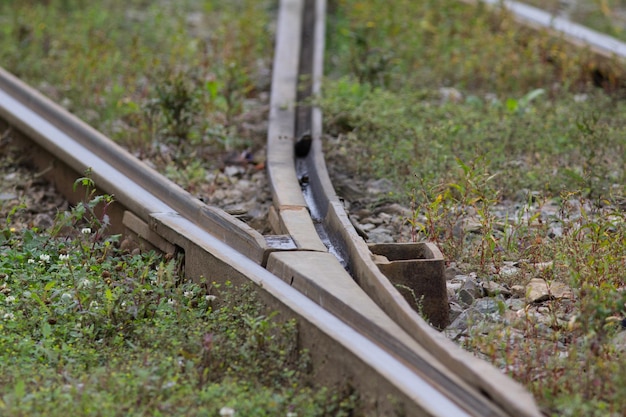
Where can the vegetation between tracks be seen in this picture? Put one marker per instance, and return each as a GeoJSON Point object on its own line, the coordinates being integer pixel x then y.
{"type": "Point", "coordinates": [176, 82]}
{"type": "Point", "coordinates": [89, 329]}
{"type": "Point", "coordinates": [483, 121]}
{"type": "Point", "coordinates": [437, 95]}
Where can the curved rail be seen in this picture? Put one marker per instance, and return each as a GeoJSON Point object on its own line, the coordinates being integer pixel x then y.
{"type": "Point", "coordinates": [303, 207]}
{"type": "Point", "coordinates": [600, 44]}
{"type": "Point", "coordinates": [355, 322]}
{"type": "Point", "coordinates": [338, 350]}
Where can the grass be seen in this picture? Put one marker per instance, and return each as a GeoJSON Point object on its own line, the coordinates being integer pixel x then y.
{"type": "Point", "coordinates": [469, 115]}
{"type": "Point", "coordinates": [90, 329]}
{"type": "Point", "coordinates": [164, 79]}
{"type": "Point", "coordinates": [479, 121]}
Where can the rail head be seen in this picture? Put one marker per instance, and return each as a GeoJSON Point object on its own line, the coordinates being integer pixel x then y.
{"type": "Point", "coordinates": [382, 357]}
{"type": "Point", "coordinates": [330, 219]}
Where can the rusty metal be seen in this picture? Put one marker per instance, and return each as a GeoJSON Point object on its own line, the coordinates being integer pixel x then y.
{"type": "Point", "coordinates": [339, 291]}
{"type": "Point", "coordinates": [417, 272]}
{"type": "Point", "coordinates": [352, 317]}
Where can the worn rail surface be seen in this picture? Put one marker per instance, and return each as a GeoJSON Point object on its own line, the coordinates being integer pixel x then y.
{"type": "Point", "coordinates": [601, 45]}
{"type": "Point", "coordinates": [315, 268]}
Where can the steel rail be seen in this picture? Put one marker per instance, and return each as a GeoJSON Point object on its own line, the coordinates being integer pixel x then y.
{"type": "Point", "coordinates": [357, 326]}
{"type": "Point", "coordinates": [578, 35]}
{"type": "Point", "coordinates": [340, 352]}
{"type": "Point", "coordinates": [302, 207]}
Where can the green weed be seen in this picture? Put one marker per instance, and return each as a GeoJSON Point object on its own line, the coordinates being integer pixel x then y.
{"type": "Point", "coordinates": [161, 79]}
{"type": "Point", "coordinates": [486, 124]}
{"type": "Point", "coordinates": [88, 328]}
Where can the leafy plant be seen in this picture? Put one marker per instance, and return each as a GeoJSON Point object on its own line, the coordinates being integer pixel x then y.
{"type": "Point", "coordinates": [89, 328]}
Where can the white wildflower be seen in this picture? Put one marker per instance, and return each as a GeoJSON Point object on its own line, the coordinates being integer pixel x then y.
{"type": "Point", "coordinates": [85, 283]}
{"type": "Point", "coordinates": [9, 299]}
{"type": "Point", "coordinates": [31, 261]}
{"type": "Point", "coordinates": [210, 297]}
{"type": "Point", "coordinates": [227, 412]}
{"type": "Point", "coordinates": [188, 294]}
{"type": "Point", "coordinates": [94, 305]}
{"type": "Point", "coordinates": [44, 257]}
{"type": "Point", "coordinates": [171, 301]}
{"type": "Point", "coordinates": [9, 316]}
{"type": "Point", "coordinates": [64, 257]}
{"type": "Point", "coordinates": [86, 230]}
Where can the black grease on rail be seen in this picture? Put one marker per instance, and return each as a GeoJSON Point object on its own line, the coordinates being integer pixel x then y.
{"type": "Point", "coordinates": [303, 144]}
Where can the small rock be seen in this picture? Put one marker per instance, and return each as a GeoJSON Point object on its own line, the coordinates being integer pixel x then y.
{"type": "Point", "coordinates": [455, 311]}
{"type": "Point", "coordinates": [470, 285]}
{"type": "Point", "coordinates": [492, 288]}
{"type": "Point", "coordinates": [538, 290]}
{"type": "Point", "coordinates": [464, 226]}
{"type": "Point", "coordinates": [381, 186]}
{"type": "Point", "coordinates": [454, 284]}
{"type": "Point", "coordinates": [451, 293]}
{"type": "Point", "coordinates": [398, 210]}
{"type": "Point", "coordinates": [465, 319]}
{"type": "Point", "coordinates": [380, 235]}
{"type": "Point", "coordinates": [487, 306]}
{"type": "Point", "coordinates": [518, 291]}
{"type": "Point", "coordinates": [234, 170]}
{"type": "Point", "coordinates": [452, 272]}
{"type": "Point", "coordinates": [515, 304]}
{"type": "Point", "coordinates": [509, 271]}
{"type": "Point", "coordinates": [466, 297]}
{"type": "Point", "coordinates": [7, 196]}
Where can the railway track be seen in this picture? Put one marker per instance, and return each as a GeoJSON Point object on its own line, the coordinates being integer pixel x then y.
{"type": "Point", "coordinates": [314, 267]}
{"type": "Point", "coordinates": [601, 45]}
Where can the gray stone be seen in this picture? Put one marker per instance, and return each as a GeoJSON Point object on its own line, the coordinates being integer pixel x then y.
{"type": "Point", "coordinates": [465, 226]}
{"type": "Point", "coordinates": [381, 186]}
{"type": "Point", "coordinates": [7, 196]}
{"type": "Point", "coordinates": [487, 305]}
{"type": "Point", "coordinates": [538, 290]}
{"type": "Point", "coordinates": [470, 285]}
{"type": "Point", "coordinates": [466, 297]}
{"type": "Point", "coordinates": [466, 319]}
{"type": "Point", "coordinates": [509, 271]}
{"type": "Point", "coordinates": [380, 235]}
{"type": "Point", "coordinates": [515, 304]}
{"type": "Point", "coordinates": [518, 291]}
{"type": "Point", "coordinates": [492, 288]}
{"type": "Point", "coordinates": [455, 310]}
{"type": "Point", "coordinates": [452, 272]}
